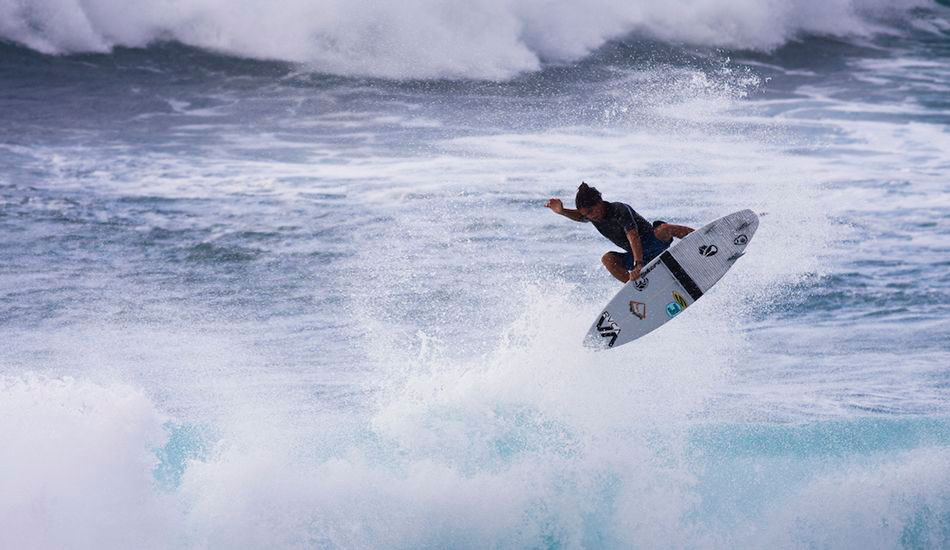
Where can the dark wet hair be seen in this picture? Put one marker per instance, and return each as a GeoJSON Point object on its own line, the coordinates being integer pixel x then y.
{"type": "Point", "coordinates": [587, 196]}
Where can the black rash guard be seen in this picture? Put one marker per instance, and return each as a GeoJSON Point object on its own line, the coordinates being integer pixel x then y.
{"type": "Point", "coordinates": [619, 218]}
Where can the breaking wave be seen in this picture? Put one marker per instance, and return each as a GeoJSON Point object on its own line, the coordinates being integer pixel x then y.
{"type": "Point", "coordinates": [483, 39]}
{"type": "Point", "coordinates": [91, 466]}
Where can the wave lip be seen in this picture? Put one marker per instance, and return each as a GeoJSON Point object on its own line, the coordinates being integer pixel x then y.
{"type": "Point", "coordinates": [478, 39]}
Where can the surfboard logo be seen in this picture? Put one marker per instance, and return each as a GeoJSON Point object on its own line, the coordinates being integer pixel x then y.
{"type": "Point", "coordinates": [677, 305]}
{"type": "Point", "coordinates": [641, 283]}
{"type": "Point", "coordinates": [741, 240]}
{"type": "Point", "coordinates": [708, 250]}
{"type": "Point", "coordinates": [672, 309]}
{"type": "Point", "coordinates": [639, 309]}
{"type": "Point", "coordinates": [608, 328]}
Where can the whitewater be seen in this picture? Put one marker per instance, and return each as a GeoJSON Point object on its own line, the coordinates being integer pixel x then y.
{"type": "Point", "coordinates": [279, 275]}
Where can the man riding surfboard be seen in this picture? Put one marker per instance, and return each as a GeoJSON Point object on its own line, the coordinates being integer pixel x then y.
{"type": "Point", "coordinates": [623, 226]}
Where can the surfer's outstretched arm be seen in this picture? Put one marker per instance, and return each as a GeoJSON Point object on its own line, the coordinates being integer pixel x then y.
{"type": "Point", "coordinates": [558, 208]}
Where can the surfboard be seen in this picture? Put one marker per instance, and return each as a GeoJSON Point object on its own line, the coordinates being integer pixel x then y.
{"type": "Point", "coordinates": [673, 281]}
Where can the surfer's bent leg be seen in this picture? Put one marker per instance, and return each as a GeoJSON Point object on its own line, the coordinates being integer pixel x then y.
{"type": "Point", "coordinates": [614, 264]}
{"type": "Point", "coordinates": [666, 231]}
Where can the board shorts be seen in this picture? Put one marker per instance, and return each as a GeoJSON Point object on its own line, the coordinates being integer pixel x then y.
{"type": "Point", "coordinates": [652, 247]}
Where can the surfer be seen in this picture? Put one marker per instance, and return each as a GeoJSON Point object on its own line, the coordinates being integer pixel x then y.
{"type": "Point", "coordinates": [622, 225]}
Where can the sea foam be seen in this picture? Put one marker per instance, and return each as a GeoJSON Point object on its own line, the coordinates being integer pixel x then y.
{"type": "Point", "coordinates": [76, 466]}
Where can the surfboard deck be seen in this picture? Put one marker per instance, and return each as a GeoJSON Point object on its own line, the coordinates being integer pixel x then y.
{"type": "Point", "coordinates": [673, 281]}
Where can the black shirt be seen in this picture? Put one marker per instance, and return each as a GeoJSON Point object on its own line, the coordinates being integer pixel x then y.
{"type": "Point", "coordinates": [619, 218]}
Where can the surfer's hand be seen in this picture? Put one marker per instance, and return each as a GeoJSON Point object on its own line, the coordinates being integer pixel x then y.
{"type": "Point", "coordinates": [556, 205]}
{"type": "Point", "coordinates": [634, 275]}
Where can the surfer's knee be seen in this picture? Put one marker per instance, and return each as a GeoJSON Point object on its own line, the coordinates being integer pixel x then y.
{"type": "Point", "coordinates": [663, 231]}
{"type": "Point", "coordinates": [610, 259]}
{"type": "Point", "coordinates": [666, 231]}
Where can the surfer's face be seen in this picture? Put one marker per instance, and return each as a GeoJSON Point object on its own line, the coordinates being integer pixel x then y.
{"type": "Point", "coordinates": [595, 213]}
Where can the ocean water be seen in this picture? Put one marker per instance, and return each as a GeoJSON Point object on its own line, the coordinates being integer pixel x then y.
{"type": "Point", "coordinates": [279, 275]}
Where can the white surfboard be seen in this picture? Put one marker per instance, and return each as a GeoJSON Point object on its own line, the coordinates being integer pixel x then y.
{"type": "Point", "coordinates": [675, 279]}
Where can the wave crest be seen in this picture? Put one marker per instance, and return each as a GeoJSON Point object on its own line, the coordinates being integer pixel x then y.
{"type": "Point", "coordinates": [482, 39]}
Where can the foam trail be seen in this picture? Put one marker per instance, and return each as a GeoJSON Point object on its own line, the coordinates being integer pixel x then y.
{"type": "Point", "coordinates": [483, 39]}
